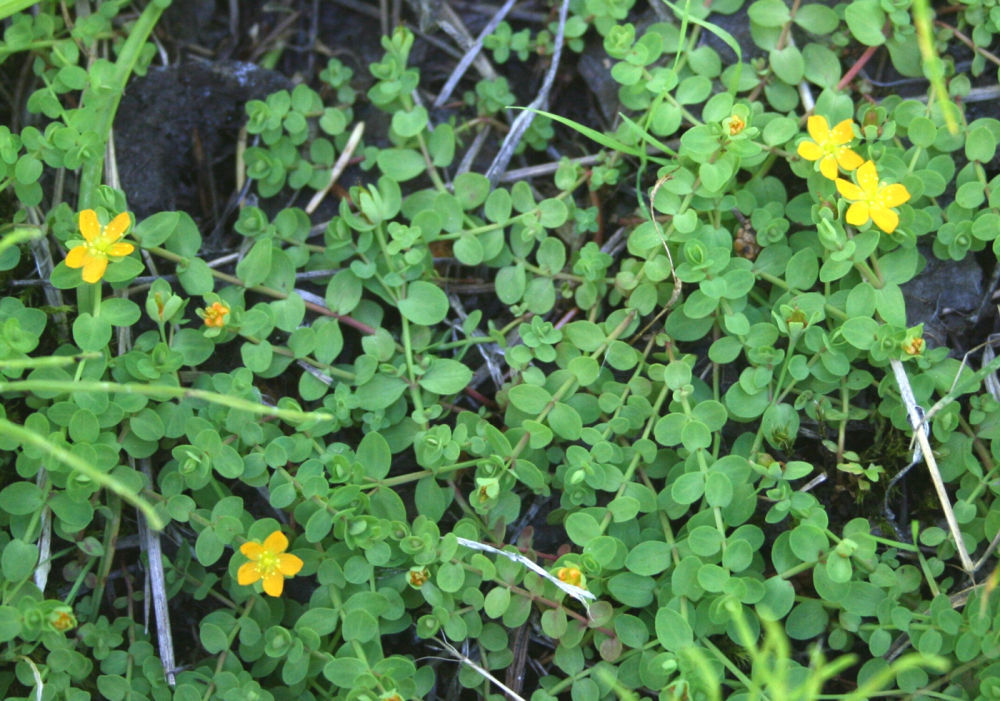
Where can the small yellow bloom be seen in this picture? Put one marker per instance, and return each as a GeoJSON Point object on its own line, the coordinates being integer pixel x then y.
{"type": "Point", "coordinates": [913, 346]}
{"type": "Point", "coordinates": [872, 199]}
{"type": "Point", "coordinates": [736, 125]}
{"type": "Point", "coordinates": [268, 562]}
{"type": "Point", "coordinates": [828, 146]}
{"type": "Point", "coordinates": [417, 576]}
{"type": "Point", "coordinates": [100, 243]}
{"type": "Point", "coordinates": [62, 619]}
{"type": "Point", "coordinates": [569, 575]}
{"type": "Point", "coordinates": [215, 315]}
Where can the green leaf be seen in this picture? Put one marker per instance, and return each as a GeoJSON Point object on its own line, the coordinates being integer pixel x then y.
{"type": "Point", "coordinates": [779, 597]}
{"type": "Point", "coordinates": [498, 206]}
{"type": "Point", "coordinates": [445, 376]}
{"type": "Point", "coordinates": [510, 283]}
{"type": "Point", "coordinates": [980, 144]}
{"type": "Point", "coordinates": [769, 13]}
{"type": "Point", "coordinates": [343, 292]}
{"type": "Point", "coordinates": [582, 528]}
{"type": "Point", "coordinates": [91, 333]}
{"type": "Point", "coordinates": [807, 620]}
{"type": "Point", "coordinates": [718, 489]}
{"type": "Point", "coordinates": [693, 89]}
{"type": "Point", "coordinates": [688, 488]}
{"type": "Point", "coordinates": [344, 671]}
{"type": "Point", "coordinates": [530, 399]}
{"type": "Point", "coordinates": [441, 145]}
{"type": "Point", "coordinates": [208, 548]}
{"type": "Point", "coordinates": [780, 130]}
{"type": "Point", "coordinates": [10, 623]}
{"type": "Point", "coordinates": [256, 264]}
{"type": "Point", "coordinates": [408, 124]}
{"type": "Point", "coordinates": [471, 189]}
{"type": "Point", "coordinates": [120, 312]}
{"type": "Point", "coordinates": [426, 304]}
{"type": "Point", "coordinates": [822, 66]}
{"type": "Point", "coordinates": [632, 589]}
{"type": "Point", "coordinates": [648, 558]}
{"type": "Point", "coordinates": [400, 164]}
{"type": "Point", "coordinates": [860, 332]}
{"type": "Point", "coordinates": [195, 277]}
{"type": "Point", "coordinates": [373, 452]}
{"type": "Point", "coordinates": [18, 560]}
{"type": "Point", "coordinates": [359, 625]}
{"type": "Point", "coordinates": [156, 228]}
{"type": "Point", "coordinates": [672, 630]}
{"type": "Point", "coordinates": [787, 64]}
{"type": "Point", "coordinates": [817, 19]}
{"type": "Point", "coordinates": [497, 601]}
{"type": "Point", "coordinates": [380, 392]}
{"type": "Point", "coordinates": [21, 498]}
{"type": "Point", "coordinates": [565, 421]}
{"type": "Point", "coordinates": [865, 19]}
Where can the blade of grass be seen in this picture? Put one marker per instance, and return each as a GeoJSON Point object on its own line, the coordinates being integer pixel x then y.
{"type": "Point", "coordinates": [74, 462]}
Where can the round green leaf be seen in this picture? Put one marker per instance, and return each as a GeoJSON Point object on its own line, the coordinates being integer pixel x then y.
{"type": "Point", "coordinates": [425, 304]}
{"type": "Point", "coordinates": [672, 630]}
{"type": "Point", "coordinates": [400, 164]}
{"type": "Point", "coordinates": [648, 558]}
{"type": "Point", "coordinates": [445, 376]}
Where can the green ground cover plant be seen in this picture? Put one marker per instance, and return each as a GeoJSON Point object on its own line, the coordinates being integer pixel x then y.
{"type": "Point", "coordinates": [622, 422]}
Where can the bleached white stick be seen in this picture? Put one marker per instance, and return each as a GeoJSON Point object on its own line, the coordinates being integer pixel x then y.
{"type": "Point", "coordinates": [578, 593]}
{"type": "Point", "coordinates": [920, 433]}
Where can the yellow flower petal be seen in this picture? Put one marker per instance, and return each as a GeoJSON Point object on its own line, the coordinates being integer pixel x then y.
{"type": "Point", "coordinates": [849, 190]}
{"type": "Point", "coordinates": [274, 583]}
{"type": "Point", "coordinates": [118, 226]}
{"type": "Point", "coordinates": [89, 226]}
{"type": "Point", "coordinates": [120, 249]}
{"type": "Point", "coordinates": [818, 128]}
{"type": "Point", "coordinates": [93, 269]}
{"type": "Point", "coordinates": [810, 151]}
{"type": "Point", "coordinates": [894, 195]}
{"type": "Point", "coordinates": [77, 257]}
{"type": "Point", "coordinates": [843, 132]}
{"type": "Point", "coordinates": [276, 542]}
{"type": "Point", "coordinates": [289, 565]}
{"type": "Point", "coordinates": [828, 167]}
{"type": "Point", "coordinates": [848, 159]}
{"type": "Point", "coordinates": [885, 219]}
{"type": "Point", "coordinates": [857, 213]}
{"type": "Point", "coordinates": [868, 177]}
{"type": "Point", "coordinates": [251, 549]}
{"type": "Point", "coordinates": [248, 573]}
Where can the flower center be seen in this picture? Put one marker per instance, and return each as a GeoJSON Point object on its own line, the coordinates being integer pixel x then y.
{"type": "Point", "coordinates": [101, 245]}
{"type": "Point", "coordinates": [267, 562]}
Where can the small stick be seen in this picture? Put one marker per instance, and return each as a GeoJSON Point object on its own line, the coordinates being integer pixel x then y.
{"type": "Point", "coordinates": [470, 55]}
{"type": "Point", "coordinates": [916, 421]}
{"type": "Point", "coordinates": [523, 121]}
{"type": "Point", "coordinates": [158, 584]}
{"type": "Point", "coordinates": [338, 167]}
{"type": "Point", "coordinates": [578, 593]}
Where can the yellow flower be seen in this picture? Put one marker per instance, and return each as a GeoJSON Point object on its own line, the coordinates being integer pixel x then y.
{"type": "Point", "coordinates": [828, 146]}
{"type": "Point", "coordinates": [872, 199]}
{"type": "Point", "coordinates": [100, 243]}
{"type": "Point", "coordinates": [215, 315]}
{"type": "Point", "coordinates": [417, 576]}
{"type": "Point", "coordinates": [569, 575]}
{"type": "Point", "coordinates": [62, 619]}
{"type": "Point", "coordinates": [736, 125]}
{"type": "Point", "coordinates": [268, 562]}
{"type": "Point", "coordinates": [913, 346]}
